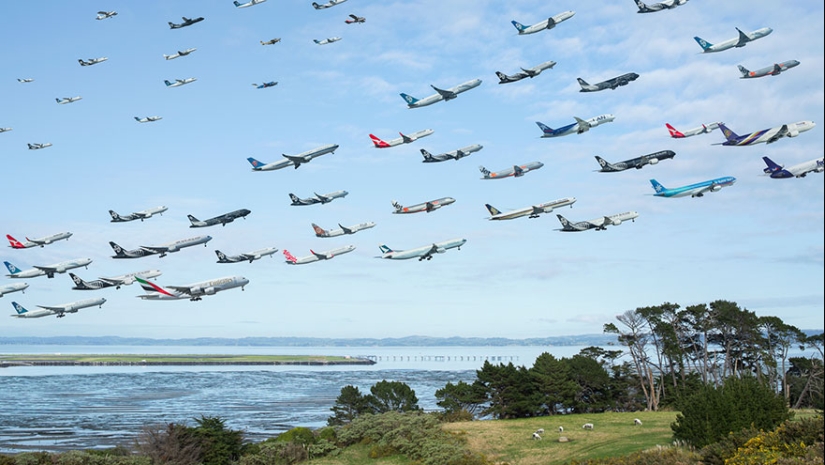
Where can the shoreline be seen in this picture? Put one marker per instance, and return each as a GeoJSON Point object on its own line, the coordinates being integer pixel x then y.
{"type": "Point", "coordinates": [22, 360]}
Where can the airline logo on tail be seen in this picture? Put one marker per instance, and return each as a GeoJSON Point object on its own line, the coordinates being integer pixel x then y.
{"type": "Point", "coordinates": [673, 132]}
{"type": "Point", "coordinates": [12, 269]}
{"type": "Point", "coordinates": [384, 248]}
{"type": "Point", "coordinates": [657, 187]}
{"type": "Point", "coordinates": [289, 257]}
{"type": "Point", "coordinates": [703, 43]}
{"type": "Point", "coordinates": [484, 171]}
{"type": "Point", "coordinates": [19, 308]}
{"type": "Point", "coordinates": [410, 100]}
{"type": "Point", "coordinates": [378, 142]}
{"type": "Point", "coordinates": [319, 231]}
{"type": "Point", "coordinates": [15, 244]}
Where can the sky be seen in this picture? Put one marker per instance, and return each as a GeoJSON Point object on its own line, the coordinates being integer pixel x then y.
{"type": "Point", "coordinates": [758, 243]}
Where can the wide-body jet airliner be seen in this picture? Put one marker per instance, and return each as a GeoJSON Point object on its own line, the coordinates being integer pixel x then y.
{"type": "Point", "coordinates": [421, 253]}
{"type": "Point", "coordinates": [441, 94]}
{"type": "Point", "coordinates": [46, 270]}
{"type": "Point", "coordinates": [599, 224]}
{"type": "Point", "coordinates": [766, 135]}
{"type": "Point", "coordinates": [693, 190]}
{"type": "Point", "coordinates": [532, 211]}
{"type": "Point", "coordinates": [194, 291]}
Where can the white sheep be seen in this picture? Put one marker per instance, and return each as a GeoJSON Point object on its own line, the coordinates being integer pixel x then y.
{"type": "Point", "coordinates": [536, 436]}
{"type": "Point", "coordinates": [540, 431]}
{"type": "Point", "coordinates": [637, 422]}
{"type": "Point", "coordinates": [588, 426]}
{"type": "Point", "coordinates": [561, 429]}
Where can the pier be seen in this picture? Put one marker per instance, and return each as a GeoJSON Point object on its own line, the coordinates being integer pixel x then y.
{"type": "Point", "coordinates": [441, 358]}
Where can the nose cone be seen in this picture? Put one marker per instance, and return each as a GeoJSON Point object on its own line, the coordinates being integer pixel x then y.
{"type": "Point", "coordinates": [243, 281]}
{"type": "Point", "coordinates": [539, 165]}
{"type": "Point", "coordinates": [448, 201]}
{"type": "Point", "coordinates": [208, 238]}
{"type": "Point", "coordinates": [610, 117]}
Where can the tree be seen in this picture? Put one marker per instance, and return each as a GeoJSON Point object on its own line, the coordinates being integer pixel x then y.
{"type": "Point", "coordinates": [391, 396]}
{"type": "Point", "coordinates": [592, 384]}
{"type": "Point", "coordinates": [219, 445]}
{"type": "Point", "coordinates": [511, 391]}
{"type": "Point", "coordinates": [553, 381]}
{"type": "Point", "coordinates": [454, 398]}
{"type": "Point", "coordinates": [349, 404]}
{"type": "Point", "coordinates": [171, 444]}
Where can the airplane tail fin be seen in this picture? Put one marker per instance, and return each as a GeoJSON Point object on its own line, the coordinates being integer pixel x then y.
{"type": "Point", "coordinates": [484, 171]}
{"type": "Point", "coordinates": [565, 223]}
{"type": "Point", "coordinates": [379, 144]}
{"type": "Point", "coordinates": [18, 308]}
{"type": "Point", "coordinates": [12, 269]}
{"type": "Point", "coordinates": [14, 243]}
{"type": "Point", "coordinates": [501, 76]}
{"type": "Point", "coordinates": [641, 5]}
{"type": "Point", "coordinates": [79, 283]}
{"type": "Point", "coordinates": [703, 43]}
{"type": "Point", "coordinates": [409, 99]}
{"type": "Point", "coordinates": [520, 27]}
{"type": "Point", "coordinates": [319, 231]}
{"type": "Point", "coordinates": [743, 70]}
{"type": "Point", "coordinates": [729, 135]}
{"type": "Point", "coordinates": [289, 257]}
{"type": "Point", "coordinates": [544, 128]}
{"type": "Point", "coordinates": [427, 155]}
{"type": "Point", "coordinates": [604, 163]}
{"type": "Point", "coordinates": [772, 167]}
{"type": "Point", "coordinates": [118, 249]}
{"type": "Point", "coordinates": [398, 206]}
{"type": "Point", "coordinates": [384, 249]}
{"type": "Point", "coordinates": [237, 3]}
{"type": "Point", "coordinates": [674, 132]}
{"type": "Point", "coordinates": [657, 187]}
{"type": "Point", "coordinates": [295, 199]}
{"type": "Point", "coordinates": [255, 163]}
{"type": "Point", "coordinates": [57, 100]}
{"type": "Point", "coordinates": [115, 216]}
{"type": "Point", "coordinates": [583, 83]}
{"type": "Point", "coordinates": [192, 219]}
{"type": "Point", "coordinates": [221, 255]}
{"type": "Point", "coordinates": [166, 81]}
{"type": "Point", "coordinates": [493, 210]}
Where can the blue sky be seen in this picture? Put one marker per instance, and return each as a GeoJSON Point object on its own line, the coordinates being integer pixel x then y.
{"type": "Point", "coordinates": [758, 243]}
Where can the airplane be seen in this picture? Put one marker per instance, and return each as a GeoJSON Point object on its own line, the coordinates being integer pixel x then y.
{"type": "Point", "coordinates": [92, 61]}
{"type": "Point", "coordinates": [579, 127]}
{"type": "Point", "coordinates": [179, 82]}
{"type": "Point", "coordinates": [704, 129]}
{"type": "Point", "coordinates": [423, 207]}
{"type": "Point", "coordinates": [13, 288]}
{"type": "Point", "coordinates": [5, 129]}
{"type": "Point", "coordinates": [25, 80]}
{"type": "Point", "coordinates": [248, 256]}
{"type": "Point", "coordinates": [654, 7]}
{"type": "Point", "coordinates": [766, 135]}
{"type": "Point", "coordinates": [612, 83]}
{"type": "Point", "coordinates": [179, 53]}
{"type": "Point", "coordinates": [271, 41]}
{"type": "Point", "coordinates": [58, 310]}
{"type": "Point", "coordinates": [41, 241]}
{"type": "Point", "coordinates": [186, 22]}
{"type": "Point", "coordinates": [441, 94]}
{"type": "Point", "coordinates": [531, 212]}
{"type": "Point", "coordinates": [317, 198]}
{"type": "Point", "coordinates": [141, 215]}
{"type": "Point", "coordinates": [266, 84]}
{"type": "Point", "coordinates": [114, 281]}
{"type": "Point", "coordinates": [329, 4]}
{"type": "Point", "coordinates": [525, 73]}
{"type": "Point", "coordinates": [36, 146]}
{"type": "Point", "coordinates": [193, 291]}
{"type": "Point", "coordinates": [162, 250]}
{"type": "Point", "coordinates": [453, 155]}
{"type": "Point", "coordinates": [65, 100]}
{"type": "Point", "coordinates": [548, 23]}
{"type": "Point", "coordinates": [768, 71]}
{"type": "Point", "coordinates": [694, 190]}
{"type": "Point", "coordinates": [328, 40]}
{"type": "Point", "coordinates": [120, 252]}
{"type": "Point", "coordinates": [817, 165]}
{"type": "Point", "coordinates": [304, 157]}
{"type": "Point", "coordinates": [321, 232]}
{"type": "Point", "coordinates": [422, 253]}
{"type": "Point", "coordinates": [47, 270]}
{"type": "Point", "coordinates": [247, 4]}
{"type": "Point", "coordinates": [404, 139]}
{"type": "Point", "coordinates": [355, 19]}
{"type": "Point", "coordinates": [316, 256]}
{"type": "Point", "coordinates": [220, 219]}
{"type": "Point", "coordinates": [105, 14]}
{"type": "Point", "coordinates": [599, 224]}
{"type": "Point", "coordinates": [516, 171]}
{"type": "Point", "coordinates": [148, 119]}
{"type": "Point", "coordinates": [638, 162]}
{"type": "Point", "coordinates": [740, 41]}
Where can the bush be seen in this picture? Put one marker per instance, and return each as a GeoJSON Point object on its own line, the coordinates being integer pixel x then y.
{"type": "Point", "coordinates": [300, 435]}
{"type": "Point", "coordinates": [793, 442]}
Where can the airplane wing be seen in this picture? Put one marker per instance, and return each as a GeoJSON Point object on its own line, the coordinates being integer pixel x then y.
{"type": "Point", "coordinates": [47, 269]}
{"type": "Point", "coordinates": [743, 38]}
{"type": "Point", "coordinates": [322, 198]}
{"type": "Point", "coordinates": [184, 289]}
{"type": "Point", "coordinates": [154, 249]}
{"type": "Point", "coordinates": [460, 154]}
{"type": "Point", "coordinates": [296, 160]}
{"type": "Point", "coordinates": [250, 257]}
{"type": "Point", "coordinates": [584, 126]}
{"type": "Point", "coordinates": [517, 171]}
{"type": "Point", "coordinates": [57, 310]}
{"type": "Point", "coordinates": [345, 229]}
{"type": "Point", "coordinates": [783, 131]}
{"type": "Point", "coordinates": [447, 94]}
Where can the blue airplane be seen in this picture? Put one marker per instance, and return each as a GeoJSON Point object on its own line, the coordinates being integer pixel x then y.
{"type": "Point", "coordinates": [693, 190]}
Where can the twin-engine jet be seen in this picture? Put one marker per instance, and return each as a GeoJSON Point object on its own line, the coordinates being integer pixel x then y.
{"type": "Point", "coordinates": [65, 100]}
{"type": "Point", "coordinates": [776, 171]}
{"type": "Point", "coordinates": [703, 129]}
{"type": "Point", "coordinates": [264, 85]}
{"type": "Point", "coordinates": [638, 162]}
{"type": "Point", "coordinates": [9, 288]}
{"type": "Point", "coordinates": [47, 270]}
{"type": "Point", "coordinates": [160, 250]}
{"type": "Point", "coordinates": [328, 40]}
{"type": "Point", "coordinates": [105, 14]}
{"type": "Point", "coordinates": [271, 41]}
{"type": "Point", "coordinates": [766, 135]}
{"type": "Point", "coordinates": [58, 310]}
{"type": "Point", "coordinates": [516, 171]}
{"type": "Point", "coordinates": [193, 291]}
{"type": "Point", "coordinates": [38, 146]}
{"type": "Point", "coordinates": [740, 41]}
{"type": "Point", "coordinates": [222, 220]}
{"type": "Point", "coordinates": [654, 7]}
{"type": "Point", "coordinates": [292, 160]}
{"type": "Point", "coordinates": [774, 70]}
{"type": "Point", "coordinates": [316, 198]}
{"type": "Point", "coordinates": [148, 119]}
{"type": "Point", "coordinates": [525, 73]}
{"type": "Point", "coordinates": [38, 241]}
{"type": "Point", "coordinates": [441, 94]}
{"type": "Point", "coordinates": [186, 22]}
{"type": "Point", "coordinates": [247, 4]}
{"type": "Point", "coordinates": [422, 253]}
{"type": "Point", "coordinates": [179, 82]}
{"type": "Point", "coordinates": [423, 207]}
{"type": "Point", "coordinates": [245, 257]}
{"type": "Point", "coordinates": [317, 256]}
{"type": "Point", "coordinates": [599, 224]}
{"type": "Point", "coordinates": [404, 139]}
{"type": "Point", "coordinates": [141, 215]}
{"type": "Point", "coordinates": [342, 230]}
{"type": "Point", "coordinates": [613, 83]}
{"type": "Point", "coordinates": [179, 53]}
{"type": "Point", "coordinates": [579, 127]}
{"type": "Point", "coordinates": [532, 211]}
{"type": "Point", "coordinates": [355, 19]}
{"type": "Point", "coordinates": [25, 80]}
{"type": "Point", "coordinates": [548, 23]}
{"type": "Point", "coordinates": [452, 155]}
{"type": "Point", "coordinates": [329, 4]}
{"type": "Point", "coordinates": [5, 129]}
{"type": "Point", "coordinates": [113, 281]}
{"type": "Point", "coordinates": [92, 61]}
{"type": "Point", "coordinates": [693, 190]}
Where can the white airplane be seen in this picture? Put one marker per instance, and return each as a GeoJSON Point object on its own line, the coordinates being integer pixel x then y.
{"type": "Point", "coordinates": [58, 310]}
{"type": "Point", "coordinates": [25, 80]}
{"type": "Point", "coordinates": [817, 165]}
{"type": "Point", "coordinates": [66, 100]}
{"type": "Point", "coordinates": [404, 139]}
{"type": "Point", "coordinates": [5, 129]}
{"type": "Point", "coordinates": [703, 129]}
{"type": "Point", "coordinates": [47, 270]}
{"type": "Point", "coordinates": [92, 61]}
{"type": "Point", "coordinates": [525, 73]}
{"type": "Point", "coordinates": [271, 41]}
{"type": "Point", "coordinates": [321, 232]}
{"type": "Point", "coordinates": [193, 291]}
{"type": "Point", "coordinates": [328, 40]}
{"type": "Point", "coordinates": [532, 211]}
{"type": "Point", "coordinates": [171, 247]}
{"type": "Point", "coordinates": [548, 23]}
{"type": "Point", "coordinates": [141, 215]}
{"type": "Point", "coordinates": [148, 119]}
{"type": "Point", "coordinates": [423, 207]}
{"type": "Point", "coordinates": [247, 4]}
{"type": "Point", "coordinates": [740, 41]}
{"type": "Point", "coordinates": [355, 19]}
{"type": "Point", "coordinates": [179, 82]}
{"type": "Point", "coordinates": [316, 198]}
{"type": "Point", "coordinates": [9, 288]}
{"type": "Point", "coordinates": [329, 4]}
{"type": "Point", "coordinates": [248, 256]}
{"type": "Point", "coordinates": [307, 156]}
{"type": "Point", "coordinates": [422, 253]}
{"type": "Point", "coordinates": [579, 127]}
{"type": "Point", "coordinates": [599, 224]}
{"type": "Point", "coordinates": [654, 7]}
{"type": "Point", "coordinates": [441, 94]}
{"type": "Point", "coordinates": [317, 256]}
{"type": "Point", "coordinates": [453, 155]}
{"type": "Point", "coordinates": [38, 146]}
{"type": "Point", "coordinates": [516, 171]}
{"type": "Point", "coordinates": [179, 53]}
{"type": "Point", "coordinates": [113, 281]}
{"type": "Point", "coordinates": [41, 241]}
{"type": "Point", "coordinates": [105, 14]}
{"type": "Point", "coordinates": [774, 70]}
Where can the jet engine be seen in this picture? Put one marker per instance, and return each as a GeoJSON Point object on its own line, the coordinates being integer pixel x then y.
{"type": "Point", "coordinates": [715, 188]}
{"type": "Point", "coordinates": [209, 290]}
{"type": "Point", "coordinates": [440, 250]}
{"type": "Point", "coordinates": [616, 222]}
{"type": "Point", "coordinates": [792, 130]}
{"type": "Point", "coordinates": [653, 161]}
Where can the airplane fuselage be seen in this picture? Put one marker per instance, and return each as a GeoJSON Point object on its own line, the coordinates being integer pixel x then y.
{"type": "Point", "coordinates": [769, 135]}
{"type": "Point", "coordinates": [412, 102]}
{"type": "Point", "coordinates": [707, 47]}
{"type": "Point", "coordinates": [452, 155]}
{"type": "Point", "coordinates": [175, 246]}
{"type": "Point", "coordinates": [638, 162]}
{"type": "Point", "coordinates": [549, 23]}
{"type": "Point", "coordinates": [768, 70]}
{"type": "Point", "coordinates": [423, 207]}
{"type": "Point", "coordinates": [9, 288]}
{"type": "Point", "coordinates": [516, 171]}
{"type": "Point", "coordinates": [422, 253]}
{"type": "Point", "coordinates": [816, 165]}
{"type": "Point", "coordinates": [693, 190]}
{"type": "Point", "coordinates": [221, 219]}
{"type": "Point", "coordinates": [320, 232]}
{"type": "Point", "coordinates": [599, 224]}
{"type": "Point", "coordinates": [533, 211]}
{"type": "Point", "coordinates": [40, 241]}
{"type": "Point", "coordinates": [317, 256]}
{"type": "Point", "coordinates": [404, 139]}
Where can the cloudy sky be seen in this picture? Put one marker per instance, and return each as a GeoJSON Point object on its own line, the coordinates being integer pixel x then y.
{"type": "Point", "coordinates": [758, 243]}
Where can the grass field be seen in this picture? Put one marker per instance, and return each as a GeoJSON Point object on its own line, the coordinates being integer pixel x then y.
{"type": "Point", "coordinates": [173, 359]}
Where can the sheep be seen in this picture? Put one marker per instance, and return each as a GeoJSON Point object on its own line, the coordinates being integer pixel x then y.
{"type": "Point", "coordinates": [561, 429]}
{"type": "Point", "coordinates": [637, 422]}
{"type": "Point", "coordinates": [536, 436]}
{"type": "Point", "coordinates": [540, 431]}
{"type": "Point", "coordinates": [588, 426]}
